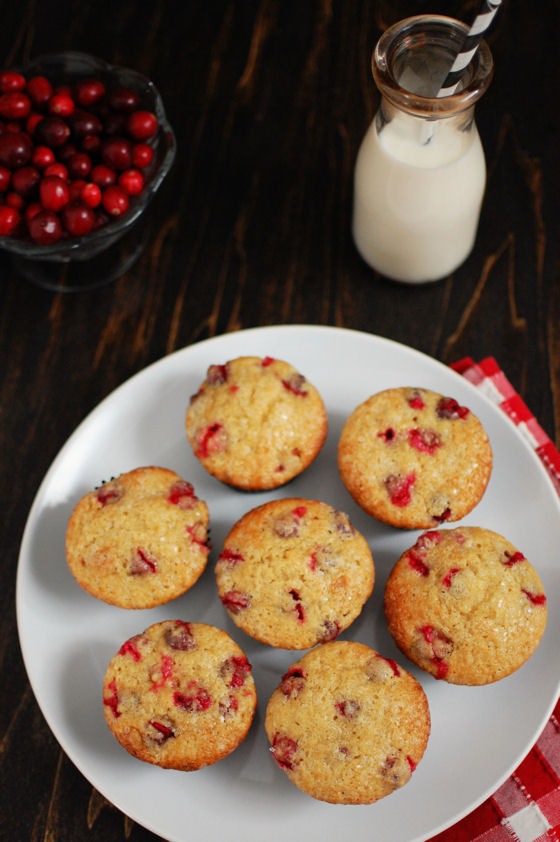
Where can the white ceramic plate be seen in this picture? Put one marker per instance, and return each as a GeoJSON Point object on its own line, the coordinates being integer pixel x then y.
{"type": "Point", "coordinates": [479, 735]}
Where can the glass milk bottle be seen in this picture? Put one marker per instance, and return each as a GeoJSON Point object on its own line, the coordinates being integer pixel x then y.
{"type": "Point", "coordinates": [420, 173]}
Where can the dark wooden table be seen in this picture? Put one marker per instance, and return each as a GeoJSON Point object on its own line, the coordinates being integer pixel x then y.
{"type": "Point", "coordinates": [269, 101]}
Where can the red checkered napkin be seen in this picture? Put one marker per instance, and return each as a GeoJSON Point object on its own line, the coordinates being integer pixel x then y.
{"type": "Point", "coordinates": [526, 808]}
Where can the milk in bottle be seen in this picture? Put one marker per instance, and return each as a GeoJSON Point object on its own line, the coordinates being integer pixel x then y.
{"type": "Point", "coordinates": [420, 173]}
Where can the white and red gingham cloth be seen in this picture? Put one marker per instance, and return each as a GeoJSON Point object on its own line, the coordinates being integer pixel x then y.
{"type": "Point", "coordinates": [526, 808]}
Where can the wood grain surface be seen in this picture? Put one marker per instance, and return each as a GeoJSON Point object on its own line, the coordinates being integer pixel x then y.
{"type": "Point", "coordinates": [269, 100]}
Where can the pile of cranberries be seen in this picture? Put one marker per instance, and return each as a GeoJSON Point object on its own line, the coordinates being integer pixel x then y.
{"type": "Point", "coordinates": [72, 157]}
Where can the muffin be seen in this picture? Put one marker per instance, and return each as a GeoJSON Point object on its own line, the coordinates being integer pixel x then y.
{"type": "Point", "coordinates": [138, 540]}
{"type": "Point", "coordinates": [256, 423]}
{"type": "Point", "coordinates": [347, 725]}
{"type": "Point", "coordinates": [180, 695]}
{"type": "Point", "coordinates": [294, 572]}
{"type": "Point", "coordinates": [465, 605]}
{"type": "Point", "coordinates": [413, 458]}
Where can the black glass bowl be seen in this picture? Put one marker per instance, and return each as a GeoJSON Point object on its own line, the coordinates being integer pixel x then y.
{"type": "Point", "coordinates": [97, 258]}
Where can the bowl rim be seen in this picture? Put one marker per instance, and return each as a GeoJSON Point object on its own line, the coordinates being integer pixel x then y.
{"type": "Point", "coordinates": [116, 227]}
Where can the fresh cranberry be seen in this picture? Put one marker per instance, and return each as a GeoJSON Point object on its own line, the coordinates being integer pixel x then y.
{"type": "Point", "coordinates": [101, 219]}
{"type": "Point", "coordinates": [62, 104]}
{"type": "Point", "coordinates": [63, 89]}
{"type": "Point", "coordinates": [91, 194]}
{"type": "Point", "coordinates": [75, 189]}
{"type": "Point", "coordinates": [142, 124]}
{"type": "Point", "coordinates": [79, 165]}
{"type": "Point", "coordinates": [142, 155]}
{"type": "Point", "coordinates": [5, 177]}
{"type": "Point", "coordinates": [31, 123]}
{"type": "Point", "coordinates": [65, 152]}
{"type": "Point", "coordinates": [52, 131]}
{"type": "Point", "coordinates": [15, 149]}
{"type": "Point", "coordinates": [14, 105]}
{"type": "Point", "coordinates": [78, 219]}
{"type": "Point", "coordinates": [115, 200]}
{"type": "Point", "coordinates": [103, 176]}
{"type": "Point", "coordinates": [116, 152]}
{"type": "Point", "coordinates": [32, 209]}
{"type": "Point", "coordinates": [123, 99]}
{"type": "Point", "coordinates": [89, 91]}
{"type": "Point", "coordinates": [25, 180]}
{"type": "Point", "coordinates": [45, 228]}
{"type": "Point", "coordinates": [14, 200]}
{"type": "Point", "coordinates": [57, 169]}
{"type": "Point", "coordinates": [85, 123]}
{"type": "Point", "coordinates": [9, 220]}
{"type": "Point", "coordinates": [40, 90]}
{"type": "Point", "coordinates": [91, 144]}
{"type": "Point", "coordinates": [53, 192]}
{"type": "Point", "coordinates": [11, 80]}
{"type": "Point", "coordinates": [114, 124]}
{"type": "Point", "coordinates": [42, 157]}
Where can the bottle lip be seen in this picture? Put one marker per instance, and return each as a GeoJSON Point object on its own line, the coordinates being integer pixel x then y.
{"type": "Point", "coordinates": [414, 32]}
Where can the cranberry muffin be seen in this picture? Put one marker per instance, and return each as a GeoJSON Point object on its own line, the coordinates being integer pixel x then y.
{"type": "Point", "coordinates": [255, 423]}
{"type": "Point", "coordinates": [138, 540]}
{"type": "Point", "coordinates": [294, 572]}
{"type": "Point", "coordinates": [414, 458]}
{"type": "Point", "coordinates": [180, 695]}
{"type": "Point", "coordinates": [465, 605]}
{"type": "Point", "coordinates": [347, 725]}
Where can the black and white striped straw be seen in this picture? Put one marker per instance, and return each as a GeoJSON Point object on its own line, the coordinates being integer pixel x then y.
{"type": "Point", "coordinates": [468, 49]}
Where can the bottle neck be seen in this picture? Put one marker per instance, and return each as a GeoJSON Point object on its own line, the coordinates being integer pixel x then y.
{"type": "Point", "coordinates": [411, 61]}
